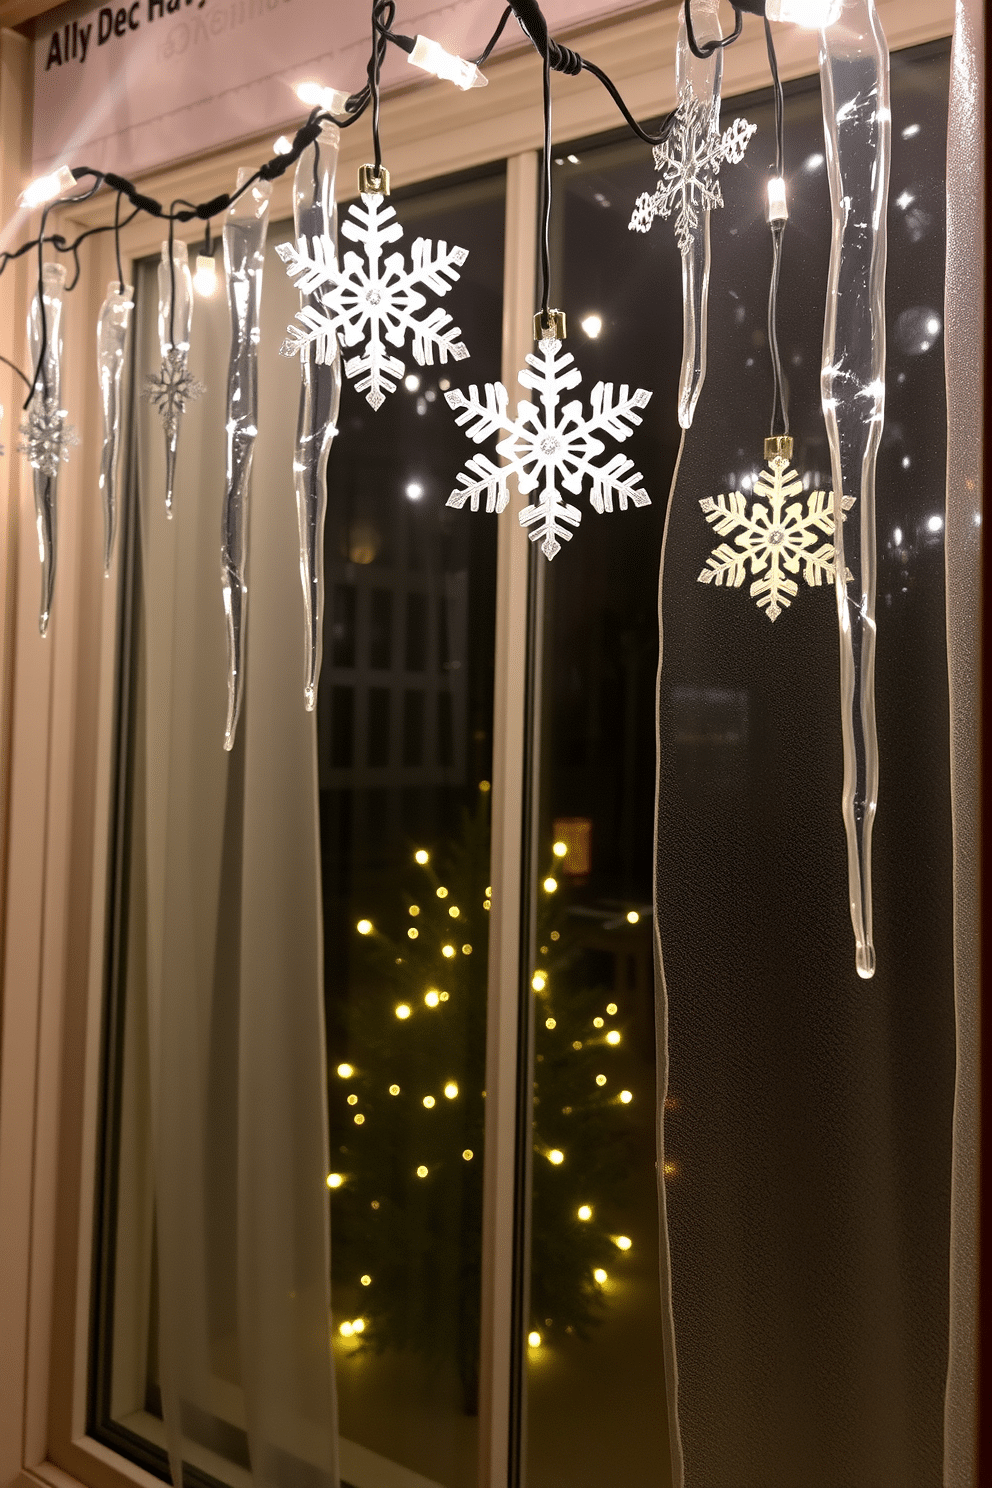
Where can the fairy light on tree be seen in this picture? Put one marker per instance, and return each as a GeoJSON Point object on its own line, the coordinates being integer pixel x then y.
{"type": "Point", "coordinates": [407, 1221]}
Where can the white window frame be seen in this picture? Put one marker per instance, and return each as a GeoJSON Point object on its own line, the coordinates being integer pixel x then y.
{"type": "Point", "coordinates": [58, 699]}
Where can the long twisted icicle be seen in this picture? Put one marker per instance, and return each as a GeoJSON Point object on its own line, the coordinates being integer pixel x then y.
{"type": "Point", "coordinates": [854, 78]}
{"type": "Point", "coordinates": [315, 215]}
{"type": "Point", "coordinates": [113, 334]}
{"type": "Point", "coordinates": [244, 253]}
{"type": "Point", "coordinates": [45, 434]}
{"type": "Point", "coordinates": [173, 385]}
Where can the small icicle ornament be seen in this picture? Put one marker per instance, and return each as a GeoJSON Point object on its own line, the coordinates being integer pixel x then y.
{"type": "Point", "coordinates": [46, 436]}
{"type": "Point", "coordinates": [777, 539]}
{"type": "Point", "coordinates": [372, 299]}
{"type": "Point", "coordinates": [113, 337]}
{"type": "Point", "coordinates": [245, 229]}
{"type": "Point", "coordinates": [173, 385]}
{"type": "Point", "coordinates": [547, 443]}
{"type": "Point", "coordinates": [689, 165]}
{"type": "Point", "coordinates": [315, 220]}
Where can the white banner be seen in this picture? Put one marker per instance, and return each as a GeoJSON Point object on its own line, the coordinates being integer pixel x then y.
{"type": "Point", "coordinates": [129, 86]}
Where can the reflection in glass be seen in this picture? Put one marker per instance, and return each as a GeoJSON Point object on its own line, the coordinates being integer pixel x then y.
{"type": "Point", "coordinates": [405, 740]}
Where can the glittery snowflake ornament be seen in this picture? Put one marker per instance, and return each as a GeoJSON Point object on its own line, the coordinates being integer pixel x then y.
{"type": "Point", "coordinates": [374, 299]}
{"type": "Point", "coordinates": [689, 166]}
{"type": "Point", "coordinates": [46, 438]}
{"type": "Point", "coordinates": [776, 539]}
{"type": "Point", "coordinates": [547, 443]}
{"type": "Point", "coordinates": [170, 388]}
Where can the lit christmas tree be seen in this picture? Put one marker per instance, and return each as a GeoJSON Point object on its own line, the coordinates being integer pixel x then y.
{"type": "Point", "coordinates": [408, 1114]}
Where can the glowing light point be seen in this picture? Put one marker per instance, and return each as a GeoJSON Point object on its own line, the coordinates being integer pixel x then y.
{"type": "Point", "coordinates": [359, 1120]}
{"type": "Point", "coordinates": [560, 849]}
{"type": "Point", "coordinates": [366, 1281]}
{"type": "Point", "coordinates": [466, 950]}
{"type": "Point", "coordinates": [415, 909]}
{"type": "Point", "coordinates": [414, 489]}
{"type": "Point", "coordinates": [429, 1102]}
{"type": "Point", "coordinates": [394, 1090]}
{"type": "Point", "coordinates": [622, 1242]}
{"type": "Point", "coordinates": [611, 1008]}
{"type": "Point", "coordinates": [808, 13]}
{"type": "Point", "coordinates": [550, 1023]}
{"type": "Point", "coordinates": [539, 981]}
{"type": "Point", "coordinates": [282, 146]}
{"type": "Point", "coordinates": [403, 1011]}
{"type": "Point", "coordinates": [468, 1154]}
{"type": "Point", "coordinates": [358, 1325]}
{"type": "Point", "coordinates": [597, 1022]}
{"type": "Point", "coordinates": [332, 100]}
{"type": "Point", "coordinates": [584, 1211]}
{"type": "Point", "coordinates": [451, 1090]}
{"type": "Point", "coordinates": [534, 1339]}
{"type": "Point", "coordinates": [46, 188]}
{"type": "Point", "coordinates": [778, 207]}
{"type": "Point", "coordinates": [335, 1180]}
{"type": "Point", "coordinates": [345, 1071]}
{"type": "Point", "coordinates": [422, 1173]}
{"type": "Point", "coordinates": [600, 1079]}
{"type": "Point", "coordinates": [626, 1096]}
{"type": "Point", "coordinates": [633, 918]}
{"type": "Point", "coordinates": [592, 325]}
{"type": "Point", "coordinates": [600, 1275]}
{"type": "Point", "coordinates": [612, 1037]}
{"type": "Point", "coordinates": [412, 933]}
{"type": "Point", "coordinates": [346, 1330]}
{"type": "Point", "coordinates": [448, 950]}
{"type": "Point", "coordinates": [421, 856]}
{"type": "Point", "coordinates": [430, 56]}
{"type": "Point", "coordinates": [364, 927]}
{"type": "Point", "coordinates": [454, 911]}
{"type": "Point", "coordinates": [442, 892]}
{"type": "Point", "coordinates": [550, 884]}
{"type": "Point", "coordinates": [556, 1157]}
{"type": "Point", "coordinates": [432, 998]}
{"type": "Point", "coordinates": [353, 1100]}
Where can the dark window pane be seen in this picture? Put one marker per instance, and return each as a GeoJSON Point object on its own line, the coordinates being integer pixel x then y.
{"type": "Point", "coordinates": [445, 730]}
{"type": "Point", "coordinates": [343, 626]}
{"type": "Point", "coordinates": [416, 632]}
{"type": "Point", "coordinates": [342, 726]}
{"type": "Point", "coordinates": [377, 752]}
{"type": "Point", "coordinates": [413, 727]}
{"type": "Point", "coordinates": [380, 629]}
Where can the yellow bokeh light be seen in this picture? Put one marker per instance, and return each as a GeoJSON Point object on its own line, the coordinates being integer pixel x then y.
{"type": "Point", "coordinates": [468, 1154]}
{"type": "Point", "coordinates": [415, 909]}
{"type": "Point", "coordinates": [612, 1037]}
{"type": "Point", "coordinates": [622, 1242]}
{"type": "Point", "coordinates": [412, 933]}
{"type": "Point", "coordinates": [487, 904]}
{"type": "Point", "coordinates": [402, 1011]}
{"type": "Point", "coordinates": [444, 996]}
{"type": "Point", "coordinates": [597, 1022]}
{"type": "Point", "coordinates": [454, 911]}
{"type": "Point", "coordinates": [489, 893]}
{"type": "Point", "coordinates": [421, 856]}
{"type": "Point", "coordinates": [484, 786]}
{"type": "Point", "coordinates": [359, 1120]}
{"type": "Point", "coordinates": [466, 950]}
{"type": "Point", "coordinates": [576, 1043]}
{"type": "Point", "coordinates": [555, 1156]}
{"type": "Point", "coordinates": [626, 1096]}
{"type": "Point", "coordinates": [560, 849]}
{"type": "Point", "coordinates": [600, 1079]}
{"type": "Point", "coordinates": [358, 1325]}
{"type": "Point", "coordinates": [421, 1171]}
{"type": "Point", "coordinates": [550, 1023]}
{"type": "Point", "coordinates": [335, 1180]}
{"type": "Point", "coordinates": [633, 918]}
{"type": "Point", "coordinates": [550, 884]}
{"type": "Point", "coordinates": [366, 1281]}
{"type": "Point", "coordinates": [432, 998]}
{"type": "Point", "coordinates": [364, 927]}
{"type": "Point", "coordinates": [346, 1330]}
{"type": "Point", "coordinates": [429, 1102]}
{"type": "Point", "coordinates": [448, 951]}
{"type": "Point", "coordinates": [555, 935]}
{"type": "Point", "coordinates": [534, 1339]}
{"type": "Point", "coordinates": [539, 981]}
{"type": "Point", "coordinates": [600, 1275]}
{"type": "Point", "coordinates": [451, 1090]}
{"type": "Point", "coordinates": [442, 893]}
{"type": "Point", "coordinates": [353, 1100]}
{"type": "Point", "coordinates": [584, 1211]}
{"type": "Point", "coordinates": [394, 1090]}
{"type": "Point", "coordinates": [611, 1008]}
{"type": "Point", "coordinates": [345, 1071]}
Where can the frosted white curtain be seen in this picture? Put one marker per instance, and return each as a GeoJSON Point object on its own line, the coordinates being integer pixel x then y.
{"type": "Point", "coordinates": [234, 971]}
{"type": "Point", "coordinates": [964, 321]}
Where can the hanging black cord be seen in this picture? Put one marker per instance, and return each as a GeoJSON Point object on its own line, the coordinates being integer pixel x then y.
{"type": "Point", "coordinates": [546, 201]}
{"type": "Point", "coordinates": [707, 48]}
{"type": "Point", "coordinates": [484, 54]}
{"type": "Point", "coordinates": [39, 370]}
{"type": "Point", "coordinates": [117, 242]}
{"type": "Point", "coordinates": [779, 395]}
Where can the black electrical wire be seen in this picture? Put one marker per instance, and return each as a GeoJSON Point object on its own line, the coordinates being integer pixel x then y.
{"type": "Point", "coordinates": [780, 407]}
{"type": "Point", "coordinates": [546, 202]}
{"type": "Point", "coordinates": [707, 48]}
{"type": "Point", "coordinates": [39, 370]}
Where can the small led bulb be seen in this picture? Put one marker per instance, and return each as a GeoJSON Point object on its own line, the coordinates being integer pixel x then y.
{"type": "Point", "coordinates": [205, 278]}
{"type": "Point", "coordinates": [46, 188]}
{"type": "Point", "coordinates": [778, 208]}
{"type": "Point", "coordinates": [331, 100]}
{"type": "Point", "coordinates": [432, 57]}
{"type": "Point", "coordinates": [809, 13]}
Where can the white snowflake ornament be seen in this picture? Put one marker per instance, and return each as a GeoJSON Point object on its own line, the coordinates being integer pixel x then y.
{"type": "Point", "coordinates": [775, 539]}
{"type": "Point", "coordinates": [373, 299]}
{"type": "Point", "coordinates": [170, 388]}
{"type": "Point", "coordinates": [548, 443]}
{"type": "Point", "coordinates": [46, 438]}
{"type": "Point", "coordinates": [689, 166]}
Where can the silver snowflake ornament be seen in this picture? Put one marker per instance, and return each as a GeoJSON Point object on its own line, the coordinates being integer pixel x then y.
{"type": "Point", "coordinates": [689, 166]}
{"type": "Point", "coordinates": [171, 388]}
{"type": "Point", "coordinates": [547, 443]}
{"type": "Point", "coordinates": [46, 438]}
{"type": "Point", "coordinates": [776, 539]}
{"type": "Point", "coordinates": [374, 299]}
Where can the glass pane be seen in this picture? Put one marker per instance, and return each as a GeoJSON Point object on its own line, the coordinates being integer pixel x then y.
{"type": "Point", "coordinates": [596, 1385]}
{"type": "Point", "coordinates": [406, 999]}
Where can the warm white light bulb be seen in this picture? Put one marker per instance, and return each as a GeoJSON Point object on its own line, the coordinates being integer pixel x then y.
{"type": "Point", "coordinates": [46, 188]}
{"type": "Point", "coordinates": [810, 13]}
{"type": "Point", "coordinates": [331, 100]}
{"type": "Point", "coordinates": [555, 1156]}
{"type": "Point", "coordinates": [534, 1339]}
{"type": "Point", "coordinates": [334, 1180]}
{"type": "Point", "coordinates": [421, 856]}
{"type": "Point", "coordinates": [364, 927]}
{"type": "Point", "coordinates": [778, 207]}
{"type": "Point", "coordinates": [431, 57]}
{"type": "Point", "coordinates": [283, 145]}
{"type": "Point", "coordinates": [402, 1011]}
{"type": "Point", "coordinates": [592, 325]}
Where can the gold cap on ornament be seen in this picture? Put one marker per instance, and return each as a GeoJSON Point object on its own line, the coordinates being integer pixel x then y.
{"type": "Point", "coordinates": [372, 182]}
{"type": "Point", "coordinates": [778, 447]}
{"type": "Point", "coordinates": [550, 325]}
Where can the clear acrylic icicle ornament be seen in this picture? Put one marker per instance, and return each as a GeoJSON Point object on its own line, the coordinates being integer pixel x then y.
{"type": "Point", "coordinates": [173, 386]}
{"type": "Point", "coordinates": [113, 335]}
{"type": "Point", "coordinates": [245, 228]}
{"type": "Point", "coordinates": [854, 80]}
{"type": "Point", "coordinates": [45, 435]}
{"type": "Point", "coordinates": [689, 163]}
{"type": "Point", "coordinates": [315, 217]}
